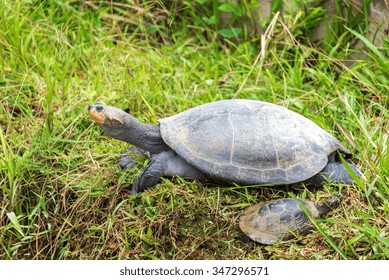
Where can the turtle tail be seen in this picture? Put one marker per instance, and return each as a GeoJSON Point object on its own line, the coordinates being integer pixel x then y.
{"type": "Point", "coordinates": [334, 172]}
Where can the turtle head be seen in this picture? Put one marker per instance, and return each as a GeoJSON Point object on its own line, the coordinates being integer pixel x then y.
{"type": "Point", "coordinates": [330, 204]}
{"type": "Point", "coordinates": [334, 200]}
{"type": "Point", "coordinates": [124, 127]}
{"type": "Point", "coordinates": [112, 120]}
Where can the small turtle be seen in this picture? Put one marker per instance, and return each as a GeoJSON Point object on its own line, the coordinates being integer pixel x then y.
{"type": "Point", "coordinates": [282, 219]}
{"type": "Point", "coordinates": [232, 141]}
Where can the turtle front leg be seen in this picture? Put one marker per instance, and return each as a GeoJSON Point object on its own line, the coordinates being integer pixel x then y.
{"type": "Point", "coordinates": [149, 177]}
{"type": "Point", "coordinates": [166, 163]}
{"type": "Point", "coordinates": [129, 157]}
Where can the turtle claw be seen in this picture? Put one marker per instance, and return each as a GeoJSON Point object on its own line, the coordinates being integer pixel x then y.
{"type": "Point", "coordinates": [127, 162]}
{"type": "Point", "coordinates": [131, 156]}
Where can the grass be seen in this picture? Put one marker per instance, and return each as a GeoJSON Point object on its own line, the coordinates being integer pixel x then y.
{"type": "Point", "coordinates": [63, 195]}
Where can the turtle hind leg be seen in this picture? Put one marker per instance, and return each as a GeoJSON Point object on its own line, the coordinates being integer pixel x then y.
{"type": "Point", "coordinates": [334, 172]}
{"type": "Point", "coordinates": [129, 158]}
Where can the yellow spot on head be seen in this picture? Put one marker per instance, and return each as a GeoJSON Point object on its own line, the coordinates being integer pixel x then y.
{"type": "Point", "coordinates": [96, 116]}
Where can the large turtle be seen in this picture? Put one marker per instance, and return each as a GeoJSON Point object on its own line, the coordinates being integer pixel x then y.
{"type": "Point", "coordinates": [233, 141]}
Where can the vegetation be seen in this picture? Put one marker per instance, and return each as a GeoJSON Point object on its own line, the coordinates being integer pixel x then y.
{"type": "Point", "coordinates": [63, 195]}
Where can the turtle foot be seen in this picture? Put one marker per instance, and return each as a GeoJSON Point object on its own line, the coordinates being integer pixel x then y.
{"type": "Point", "coordinates": [131, 157]}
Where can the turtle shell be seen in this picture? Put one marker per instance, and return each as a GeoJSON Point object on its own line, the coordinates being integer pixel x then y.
{"type": "Point", "coordinates": [276, 220]}
{"type": "Point", "coordinates": [249, 142]}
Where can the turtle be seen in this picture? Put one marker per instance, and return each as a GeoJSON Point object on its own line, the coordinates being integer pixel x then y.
{"type": "Point", "coordinates": [283, 219]}
{"type": "Point", "coordinates": [238, 141]}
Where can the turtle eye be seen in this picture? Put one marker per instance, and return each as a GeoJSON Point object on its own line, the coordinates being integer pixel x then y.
{"type": "Point", "coordinates": [99, 108]}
